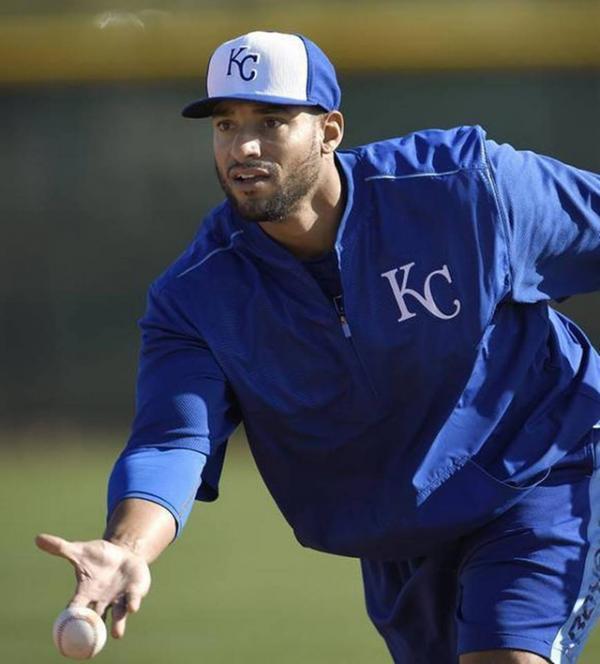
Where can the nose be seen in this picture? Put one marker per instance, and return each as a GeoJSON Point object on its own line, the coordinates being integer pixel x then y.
{"type": "Point", "coordinates": [246, 145]}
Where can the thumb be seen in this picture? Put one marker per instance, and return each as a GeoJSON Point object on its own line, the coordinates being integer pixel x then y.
{"type": "Point", "coordinates": [57, 546]}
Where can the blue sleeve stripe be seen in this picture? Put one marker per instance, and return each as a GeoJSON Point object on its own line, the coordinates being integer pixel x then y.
{"type": "Point", "coordinates": [414, 175]}
{"type": "Point", "coordinates": [153, 498]}
{"type": "Point", "coordinates": [199, 444]}
{"type": "Point", "coordinates": [212, 253]}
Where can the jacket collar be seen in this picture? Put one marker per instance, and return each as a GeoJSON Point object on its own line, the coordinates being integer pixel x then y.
{"type": "Point", "coordinates": [264, 246]}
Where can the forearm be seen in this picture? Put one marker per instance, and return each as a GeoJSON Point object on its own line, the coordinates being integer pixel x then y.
{"type": "Point", "coordinates": [142, 526]}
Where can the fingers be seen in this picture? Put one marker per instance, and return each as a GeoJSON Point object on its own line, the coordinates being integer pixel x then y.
{"type": "Point", "coordinates": [119, 618]}
{"type": "Point", "coordinates": [101, 608]}
{"type": "Point", "coordinates": [81, 599]}
{"type": "Point", "coordinates": [57, 546]}
{"type": "Point", "coordinates": [134, 602]}
{"type": "Point", "coordinates": [128, 603]}
{"type": "Point", "coordinates": [106, 575]}
{"type": "Point", "coordinates": [120, 609]}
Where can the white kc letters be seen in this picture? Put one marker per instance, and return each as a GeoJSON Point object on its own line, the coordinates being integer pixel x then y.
{"type": "Point", "coordinates": [426, 299]}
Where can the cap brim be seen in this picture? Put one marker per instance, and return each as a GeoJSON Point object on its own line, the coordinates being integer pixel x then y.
{"type": "Point", "coordinates": [203, 108]}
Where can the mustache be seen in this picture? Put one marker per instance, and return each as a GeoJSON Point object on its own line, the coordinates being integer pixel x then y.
{"type": "Point", "coordinates": [253, 163]}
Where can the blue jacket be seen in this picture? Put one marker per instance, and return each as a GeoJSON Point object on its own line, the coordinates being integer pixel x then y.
{"type": "Point", "coordinates": [445, 392]}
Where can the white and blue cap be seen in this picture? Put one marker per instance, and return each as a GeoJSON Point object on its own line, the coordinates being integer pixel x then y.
{"type": "Point", "coordinates": [269, 67]}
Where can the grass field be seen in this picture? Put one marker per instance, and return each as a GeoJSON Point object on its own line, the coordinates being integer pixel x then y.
{"type": "Point", "coordinates": [236, 588]}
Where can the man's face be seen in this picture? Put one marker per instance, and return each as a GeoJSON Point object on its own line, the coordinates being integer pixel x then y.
{"type": "Point", "coordinates": [268, 158]}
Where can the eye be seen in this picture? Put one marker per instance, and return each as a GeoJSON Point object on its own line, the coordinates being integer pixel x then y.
{"type": "Point", "coordinates": [273, 123]}
{"type": "Point", "coordinates": [223, 125]}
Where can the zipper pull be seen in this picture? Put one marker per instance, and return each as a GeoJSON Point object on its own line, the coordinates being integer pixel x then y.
{"type": "Point", "coordinates": [338, 303]}
{"type": "Point", "coordinates": [345, 327]}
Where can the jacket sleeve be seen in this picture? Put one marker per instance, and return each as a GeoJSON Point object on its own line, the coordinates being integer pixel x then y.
{"type": "Point", "coordinates": [551, 213]}
{"type": "Point", "coordinates": [185, 412]}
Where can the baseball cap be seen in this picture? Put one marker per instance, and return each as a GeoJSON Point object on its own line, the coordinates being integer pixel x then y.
{"type": "Point", "coordinates": [270, 67]}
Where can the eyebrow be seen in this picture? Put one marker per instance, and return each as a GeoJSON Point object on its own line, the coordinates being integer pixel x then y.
{"type": "Point", "coordinates": [262, 109]}
{"type": "Point", "coordinates": [279, 108]}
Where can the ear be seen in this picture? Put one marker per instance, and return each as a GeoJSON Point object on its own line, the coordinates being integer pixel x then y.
{"type": "Point", "coordinates": [333, 131]}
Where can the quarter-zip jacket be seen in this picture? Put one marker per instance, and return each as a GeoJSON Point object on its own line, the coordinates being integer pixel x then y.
{"type": "Point", "coordinates": [443, 391]}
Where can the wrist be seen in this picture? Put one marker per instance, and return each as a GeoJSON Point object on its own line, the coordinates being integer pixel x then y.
{"type": "Point", "coordinates": [141, 527]}
{"type": "Point", "coordinates": [126, 541]}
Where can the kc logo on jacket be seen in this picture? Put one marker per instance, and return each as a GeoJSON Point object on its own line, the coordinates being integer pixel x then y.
{"type": "Point", "coordinates": [402, 292]}
{"type": "Point", "coordinates": [236, 59]}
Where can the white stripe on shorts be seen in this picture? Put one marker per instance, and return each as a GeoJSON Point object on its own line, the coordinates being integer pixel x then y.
{"type": "Point", "coordinates": [571, 638]}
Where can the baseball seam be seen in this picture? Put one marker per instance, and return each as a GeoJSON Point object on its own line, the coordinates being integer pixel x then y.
{"type": "Point", "coordinates": [86, 619]}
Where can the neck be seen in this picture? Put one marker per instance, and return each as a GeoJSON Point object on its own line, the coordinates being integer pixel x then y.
{"type": "Point", "coordinates": [310, 231]}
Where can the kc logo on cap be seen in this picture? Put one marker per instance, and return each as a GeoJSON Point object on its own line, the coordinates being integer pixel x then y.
{"type": "Point", "coordinates": [270, 68]}
{"type": "Point", "coordinates": [234, 58]}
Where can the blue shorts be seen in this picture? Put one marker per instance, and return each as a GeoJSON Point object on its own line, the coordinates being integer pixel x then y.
{"type": "Point", "coordinates": [529, 580]}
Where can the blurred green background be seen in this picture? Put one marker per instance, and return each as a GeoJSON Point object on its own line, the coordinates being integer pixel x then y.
{"type": "Point", "coordinates": [234, 589]}
{"type": "Point", "coordinates": [103, 184]}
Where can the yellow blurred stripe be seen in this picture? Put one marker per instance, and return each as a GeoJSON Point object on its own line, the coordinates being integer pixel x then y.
{"type": "Point", "coordinates": [375, 36]}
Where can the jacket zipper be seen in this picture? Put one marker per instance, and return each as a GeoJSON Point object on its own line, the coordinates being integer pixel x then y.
{"type": "Point", "coordinates": [338, 303]}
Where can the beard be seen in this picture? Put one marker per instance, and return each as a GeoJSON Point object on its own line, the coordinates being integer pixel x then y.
{"type": "Point", "coordinates": [289, 191]}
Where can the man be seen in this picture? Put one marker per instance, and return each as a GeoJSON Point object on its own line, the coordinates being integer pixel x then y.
{"type": "Point", "coordinates": [378, 319]}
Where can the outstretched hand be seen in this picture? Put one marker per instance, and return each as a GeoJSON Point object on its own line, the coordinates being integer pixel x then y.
{"type": "Point", "coordinates": [108, 575]}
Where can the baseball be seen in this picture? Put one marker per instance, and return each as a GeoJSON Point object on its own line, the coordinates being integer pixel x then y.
{"type": "Point", "coordinates": [79, 633]}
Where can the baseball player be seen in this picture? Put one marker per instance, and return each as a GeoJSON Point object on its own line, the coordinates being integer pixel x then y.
{"type": "Point", "coordinates": [378, 318]}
